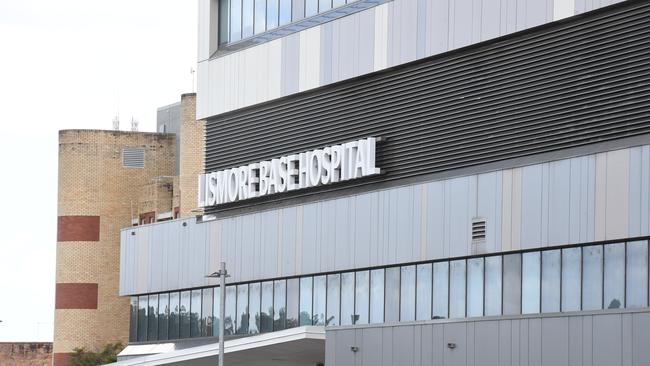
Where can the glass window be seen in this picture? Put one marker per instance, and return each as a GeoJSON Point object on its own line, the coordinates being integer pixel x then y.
{"type": "Point", "coordinates": [407, 294]}
{"type": "Point", "coordinates": [230, 316]}
{"type": "Point", "coordinates": [311, 7]}
{"type": "Point", "coordinates": [216, 306]}
{"type": "Point", "coordinates": [133, 321]}
{"type": "Point", "coordinates": [391, 297]}
{"type": "Point", "coordinates": [362, 297]}
{"type": "Point", "coordinates": [163, 316]}
{"type": "Point", "coordinates": [592, 277]}
{"type": "Point", "coordinates": [457, 271]}
{"type": "Point", "coordinates": [614, 295]}
{"type": "Point", "coordinates": [254, 298]}
{"type": "Point", "coordinates": [224, 21]}
{"type": "Point", "coordinates": [152, 326]}
{"type": "Point", "coordinates": [333, 299]}
{"type": "Point", "coordinates": [206, 312]}
{"type": "Point", "coordinates": [306, 297]}
{"type": "Point", "coordinates": [636, 291]}
{"type": "Point", "coordinates": [272, 16]}
{"type": "Point", "coordinates": [142, 318]}
{"type": "Point", "coordinates": [293, 299]}
{"type": "Point", "coordinates": [285, 12]}
{"type": "Point", "coordinates": [242, 309]}
{"type": "Point", "coordinates": [440, 290]}
{"type": "Point", "coordinates": [260, 16]}
{"type": "Point", "coordinates": [512, 284]}
{"type": "Point", "coordinates": [423, 295]}
{"type": "Point", "coordinates": [247, 18]}
{"type": "Point", "coordinates": [475, 267]}
{"type": "Point", "coordinates": [531, 283]}
{"type": "Point", "coordinates": [266, 322]}
{"type": "Point", "coordinates": [347, 298]}
{"type": "Point", "coordinates": [377, 296]}
{"type": "Point", "coordinates": [324, 5]}
{"type": "Point", "coordinates": [280, 305]}
{"type": "Point", "coordinates": [184, 315]}
{"type": "Point", "coordinates": [551, 281]}
{"type": "Point", "coordinates": [337, 3]}
{"type": "Point", "coordinates": [174, 316]}
{"type": "Point", "coordinates": [195, 314]}
{"type": "Point", "coordinates": [235, 28]}
{"type": "Point", "coordinates": [320, 287]}
{"type": "Point", "coordinates": [493, 286]}
{"type": "Point", "coordinates": [571, 274]}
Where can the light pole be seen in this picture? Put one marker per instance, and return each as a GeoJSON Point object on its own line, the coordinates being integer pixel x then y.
{"type": "Point", "coordinates": [221, 275]}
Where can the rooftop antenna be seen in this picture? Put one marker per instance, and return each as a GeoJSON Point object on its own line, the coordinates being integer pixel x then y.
{"type": "Point", "coordinates": [134, 124]}
{"type": "Point", "coordinates": [192, 71]}
{"type": "Point", "coordinates": [116, 123]}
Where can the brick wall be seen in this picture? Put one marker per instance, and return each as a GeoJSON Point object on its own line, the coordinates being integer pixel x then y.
{"type": "Point", "coordinates": [25, 354]}
{"type": "Point", "coordinates": [192, 154]}
{"type": "Point", "coordinates": [97, 197]}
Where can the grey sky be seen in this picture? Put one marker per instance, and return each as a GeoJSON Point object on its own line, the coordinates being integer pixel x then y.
{"type": "Point", "coordinates": [71, 64]}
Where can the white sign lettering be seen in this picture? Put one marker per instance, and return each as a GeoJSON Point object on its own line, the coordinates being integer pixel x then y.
{"type": "Point", "coordinates": [332, 164]}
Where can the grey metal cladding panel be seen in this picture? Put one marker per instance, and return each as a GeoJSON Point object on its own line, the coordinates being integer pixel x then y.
{"type": "Point", "coordinates": [561, 85]}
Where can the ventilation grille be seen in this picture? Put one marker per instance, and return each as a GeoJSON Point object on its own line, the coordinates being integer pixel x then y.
{"type": "Point", "coordinates": [478, 230]}
{"type": "Point", "coordinates": [133, 157]}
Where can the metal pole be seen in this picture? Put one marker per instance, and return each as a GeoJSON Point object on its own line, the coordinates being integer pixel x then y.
{"type": "Point", "coordinates": [222, 309]}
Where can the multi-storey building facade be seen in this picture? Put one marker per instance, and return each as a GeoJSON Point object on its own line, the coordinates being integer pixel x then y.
{"type": "Point", "coordinates": [409, 182]}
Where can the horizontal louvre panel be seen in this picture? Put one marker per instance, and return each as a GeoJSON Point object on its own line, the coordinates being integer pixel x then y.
{"type": "Point", "coordinates": [563, 85]}
{"type": "Point", "coordinates": [133, 157]}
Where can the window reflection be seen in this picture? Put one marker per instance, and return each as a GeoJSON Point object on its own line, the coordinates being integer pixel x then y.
{"type": "Point", "coordinates": [184, 315]}
{"type": "Point", "coordinates": [195, 314]}
{"type": "Point", "coordinates": [423, 292]}
{"type": "Point", "coordinates": [142, 318]}
{"type": "Point", "coordinates": [512, 284]}
{"type": "Point", "coordinates": [235, 21]}
{"type": "Point", "coordinates": [293, 299]}
{"type": "Point", "coordinates": [333, 299]}
{"type": "Point", "coordinates": [531, 282]}
{"type": "Point", "coordinates": [493, 285]}
{"type": "Point", "coordinates": [362, 297]}
{"type": "Point", "coordinates": [163, 316]}
{"type": "Point", "coordinates": [407, 294]}
{"type": "Point", "coordinates": [306, 287]}
{"type": "Point", "coordinates": [440, 290]}
{"type": "Point", "coordinates": [636, 291]}
{"type": "Point", "coordinates": [377, 296]}
{"type": "Point", "coordinates": [614, 287]}
{"type": "Point", "coordinates": [285, 12]}
{"type": "Point", "coordinates": [592, 277]}
{"type": "Point", "coordinates": [206, 312]}
{"type": "Point", "coordinates": [216, 306]}
{"type": "Point", "coordinates": [311, 8]}
{"type": "Point", "coordinates": [319, 300]}
{"type": "Point", "coordinates": [230, 316]}
{"type": "Point", "coordinates": [133, 329]}
{"type": "Point", "coordinates": [551, 281]}
{"type": "Point", "coordinates": [324, 5]}
{"type": "Point", "coordinates": [280, 305]}
{"type": "Point", "coordinates": [174, 316]}
{"type": "Point", "coordinates": [260, 16]}
{"type": "Point", "coordinates": [392, 291]}
{"type": "Point", "coordinates": [242, 310]}
{"type": "Point", "coordinates": [266, 322]}
{"type": "Point", "coordinates": [475, 287]}
{"type": "Point", "coordinates": [347, 298]}
{"type": "Point", "coordinates": [272, 15]}
{"type": "Point", "coordinates": [254, 303]}
{"type": "Point", "coordinates": [457, 271]}
{"type": "Point", "coordinates": [247, 18]}
{"type": "Point", "coordinates": [152, 326]}
{"type": "Point", "coordinates": [571, 274]}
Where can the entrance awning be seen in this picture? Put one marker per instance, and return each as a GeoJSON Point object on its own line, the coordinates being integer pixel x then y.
{"type": "Point", "coordinates": [304, 346]}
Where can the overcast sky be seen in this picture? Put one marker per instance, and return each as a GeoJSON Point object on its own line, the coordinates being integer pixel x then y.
{"type": "Point", "coordinates": [71, 64]}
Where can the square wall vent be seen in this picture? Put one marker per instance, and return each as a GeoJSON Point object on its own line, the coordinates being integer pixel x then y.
{"type": "Point", "coordinates": [479, 225]}
{"type": "Point", "coordinates": [132, 157]}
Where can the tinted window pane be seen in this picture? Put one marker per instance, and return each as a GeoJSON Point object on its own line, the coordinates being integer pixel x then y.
{"type": "Point", "coordinates": [457, 272]}
{"type": "Point", "coordinates": [163, 316]}
{"type": "Point", "coordinates": [133, 320]}
{"type": "Point", "coordinates": [324, 5]}
{"type": "Point", "coordinates": [216, 306]}
{"type": "Point", "coordinates": [306, 287]}
{"type": "Point", "coordinates": [614, 276]}
{"type": "Point", "coordinates": [280, 305]}
{"type": "Point", "coordinates": [311, 7]}
{"type": "Point", "coordinates": [272, 9]}
{"type": "Point", "coordinates": [636, 291]}
{"type": "Point", "coordinates": [293, 299]}
{"type": "Point", "coordinates": [152, 327]}
{"type": "Point", "coordinates": [424, 288]}
{"type": "Point", "coordinates": [362, 297]}
{"type": "Point", "coordinates": [551, 283]}
{"type": "Point", "coordinates": [224, 21]}
{"type": "Point", "coordinates": [242, 309]}
{"type": "Point", "coordinates": [254, 301]}
{"type": "Point", "coordinates": [206, 312]}
{"type": "Point", "coordinates": [493, 285]}
{"type": "Point", "coordinates": [235, 21]}
{"type": "Point", "coordinates": [333, 298]}
{"type": "Point", "coordinates": [392, 293]}
{"type": "Point", "coordinates": [592, 277]}
{"type": "Point", "coordinates": [571, 273]}
{"type": "Point", "coordinates": [320, 286]}
{"type": "Point", "coordinates": [260, 16]}
{"type": "Point", "coordinates": [230, 318]}
{"type": "Point", "coordinates": [407, 294]}
{"type": "Point", "coordinates": [475, 287]}
{"type": "Point", "coordinates": [195, 314]}
{"type": "Point", "coordinates": [377, 296]}
{"type": "Point", "coordinates": [142, 318]}
{"type": "Point", "coordinates": [247, 18]}
{"type": "Point", "coordinates": [440, 290]}
{"type": "Point", "coordinates": [512, 284]}
{"type": "Point", "coordinates": [531, 283]}
{"type": "Point", "coordinates": [347, 298]}
{"type": "Point", "coordinates": [174, 318]}
{"type": "Point", "coordinates": [266, 322]}
{"type": "Point", "coordinates": [285, 12]}
{"type": "Point", "coordinates": [185, 315]}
